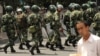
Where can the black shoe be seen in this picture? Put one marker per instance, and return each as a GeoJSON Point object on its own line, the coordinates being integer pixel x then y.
{"type": "Point", "coordinates": [28, 46]}
{"type": "Point", "coordinates": [5, 50]}
{"type": "Point", "coordinates": [61, 47]}
{"type": "Point", "coordinates": [57, 46]}
{"type": "Point", "coordinates": [41, 45]}
{"type": "Point", "coordinates": [52, 48]}
{"type": "Point", "coordinates": [13, 51]}
{"type": "Point", "coordinates": [74, 45]}
{"type": "Point", "coordinates": [21, 46]}
{"type": "Point", "coordinates": [38, 51]}
{"type": "Point", "coordinates": [47, 45]}
{"type": "Point", "coordinates": [32, 50]}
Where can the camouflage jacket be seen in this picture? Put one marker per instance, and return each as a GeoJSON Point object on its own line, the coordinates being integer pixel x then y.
{"type": "Point", "coordinates": [8, 22]}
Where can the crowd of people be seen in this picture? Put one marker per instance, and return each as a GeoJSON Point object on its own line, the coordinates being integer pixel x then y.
{"type": "Point", "coordinates": [31, 19]}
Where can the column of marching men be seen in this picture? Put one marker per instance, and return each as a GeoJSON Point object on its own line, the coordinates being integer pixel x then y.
{"type": "Point", "coordinates": [28, 20]}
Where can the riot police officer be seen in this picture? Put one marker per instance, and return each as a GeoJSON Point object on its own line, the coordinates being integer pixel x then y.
{"type": "Point", "coordinates": [22, 25]}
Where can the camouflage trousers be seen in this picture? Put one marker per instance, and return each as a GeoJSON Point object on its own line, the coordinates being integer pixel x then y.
{"type": "Point", "coordinates": [11, 37]}
{"type": "Point", "coordinates": [35, 38]}
{"type": "Point", "coordinates": [55, 37]}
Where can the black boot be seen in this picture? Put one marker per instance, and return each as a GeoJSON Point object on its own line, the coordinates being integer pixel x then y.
{"type": "Point", "coordinates": [32, 50]}
{"type": "Point", "coordinates": [21, 46]}
{"type": "Point", "coordinates": [61, 47]}
{"type": "Point", "coordinates": [27, 45]}
{"type": "Point", "coordinates": [37, 48]}
{"type": "Point", "coordinates": [40, 44]}
{"type": "Point", "coordinates": [66, 43]}
{"type": "Point", "coordinates": [47, 44]}
{"type": "Point", "coordinates": [12, 49]}
{"type": "Point", "coordinates": [52, 47]}
{"type": "Point", "coordinates": [57, 46]}
{"type": "Point", "coordinates": [5, 48]}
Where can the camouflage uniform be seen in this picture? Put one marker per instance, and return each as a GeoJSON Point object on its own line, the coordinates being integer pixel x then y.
{"type": "Point", "coordinates": [84, 9]}
{"type": "Point", "coordinates": [90, 12]}
{"type": "Point", "coordinates": [9, 26]}
{"type": "Point", "coordinates": [56, 26]}
{"type": "Point", "coordinates": [97, 22]}
{"type": "Point", "coordinates": [34, 20]}
{"type": "Point", "coordinates": [49, 17]}
{"type": "Point", "coordinates": [67, 24]}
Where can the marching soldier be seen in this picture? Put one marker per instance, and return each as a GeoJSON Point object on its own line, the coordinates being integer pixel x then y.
{"type": "Point", "coordinates": [56, 25]}
{"type": "Point", "coordinates": [34, 20]}
{"type": "Point", "coordinates": [67, 22]}
{"type": "Point", "coordinates": [85, 6]}
{"type": "Point", "coordinates": [49, 17]}
{"type": "Point", "coordinates": [97, 22]}
{"type": "Point", "coordinates": [9, 26]}
{"type": "Point", "coordinates": [90, 12]}
{"type": "Point", "coordinates": [27, 10]}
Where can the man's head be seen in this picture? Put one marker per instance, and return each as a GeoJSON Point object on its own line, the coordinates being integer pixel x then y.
{"type": "Point", "coordinates": [52, 8]}
{"type": "Point", "coordinates": [9, 9]}
{"type": "Point", "coordinates": [35, 8]}
{"type": "Point", "coordinates": [82, 28]}
{"type": "Point", "coordinates": [59, 7]}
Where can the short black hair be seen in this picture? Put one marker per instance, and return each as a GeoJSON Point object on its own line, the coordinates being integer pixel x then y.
{"type": "Point", "coordinates": [84, 22]}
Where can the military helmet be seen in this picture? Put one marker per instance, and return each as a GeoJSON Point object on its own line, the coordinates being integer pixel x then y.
{"type": "Point", "coordinates": [77, 7]}
{"type": "Point", "coordinates": [85, 6]}
{"type": "Point", "coordinates": [9, 8]}
{"type": "Point", "coordinates": [26, 7]}
{"type": "Point", "coordinates": [71, 6]}
{"type": "Point", "coordinates": [92, 4]}
{"type": "Point", "coordinates": [35, 8]}
{"type": "Point", "coordinates": [60, 6]}
{"type": "Point", "coordinates": [52, 8]}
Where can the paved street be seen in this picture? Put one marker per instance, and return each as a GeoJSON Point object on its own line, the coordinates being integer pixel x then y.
{"type": "Point", "coordinates": [44, 51]}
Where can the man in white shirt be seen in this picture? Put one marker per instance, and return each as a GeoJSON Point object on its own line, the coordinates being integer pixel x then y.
{"type": "Point", "coordinates": [88, 44]}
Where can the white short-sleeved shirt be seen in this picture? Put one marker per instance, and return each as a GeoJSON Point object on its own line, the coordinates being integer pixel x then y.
{"type": "Point", "coordinates": [89, 47]}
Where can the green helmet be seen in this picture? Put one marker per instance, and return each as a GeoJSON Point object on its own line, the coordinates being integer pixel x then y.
{"type": "Point", "coordinates": [71, 6]}
{"type": "Point", "coordinates": [92, 4]}
{"type": "Point", "coordinates": [35, 8]}
{"type": "Point", "coordinates": [9, 8]}
{"type": "Point", "coordinates": [77, 7]}
{"type": "Point", "coordinates": [85, 6]}
{"type": "Point", "coordinates": [52, 8]}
